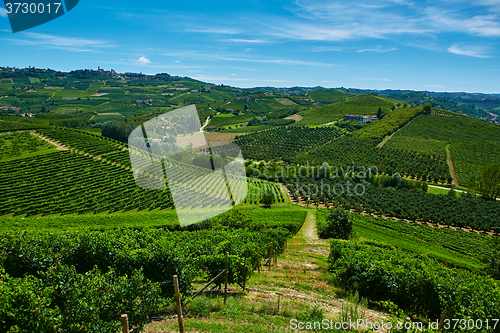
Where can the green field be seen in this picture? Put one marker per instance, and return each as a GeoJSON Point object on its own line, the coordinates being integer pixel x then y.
{"type": "Point", "coordinates": [328, 96]}
{"type": "Point", "coordinates": [22, 145]}
{"type": "Point", "coordinates": [357, 105]}
{"type": "Point", "coordinates": [81, 243]}
{"type": "Point", "coordinates": [473, 143]}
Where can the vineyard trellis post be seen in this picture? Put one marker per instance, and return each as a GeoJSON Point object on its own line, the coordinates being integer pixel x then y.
{"type": "Point", "coordinates": [226, 276]}
{"type": "Point", "coordinates": [270, 256]}
{"type": "Point", "coordinates": [124, 319]}
{"type": "Point", "coordinates": [178, 304]}
{"type": "Point", "coordinates": [441, 323]}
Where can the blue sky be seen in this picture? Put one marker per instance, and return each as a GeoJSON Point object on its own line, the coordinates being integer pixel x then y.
{"type": "Point", "coordinates": [442, 45]}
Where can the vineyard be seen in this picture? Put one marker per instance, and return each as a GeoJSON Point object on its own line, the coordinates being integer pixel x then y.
{"type": "Point", "coordinates": [124, 270]}
{"type": "Point", "coordinates": [283, 143]}
{"type": "Point", "coordinates": [82, 141]}
{"type": "Point", "coordinates": [414, 282]}
{"type": "Point", "coordinates": [364, 152]}
{"type": "Point", "coordinates": [14, 145]}
{"type": "Point", "coordinates": [358, 104]}
{"type": "Point", "coordinates": [473, 143]}
{"type": "Point", "coordinates": [465, 211]}
{"type": "Point", "coordinates": [328, 96]}
{"type": "Point", "coordinates": [91, 228]}
{"type": "Point", "coordinates": [66, 183]}
{"type": "Point", "coordinates": [454, 248]}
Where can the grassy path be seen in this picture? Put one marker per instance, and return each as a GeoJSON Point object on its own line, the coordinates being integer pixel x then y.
{"type": "Point", "coordinates": [299, 286]}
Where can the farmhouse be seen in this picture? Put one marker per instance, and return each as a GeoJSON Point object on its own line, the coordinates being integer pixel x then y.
{"type": "Point", "coordinates": [362, 119]}
{"type": "Point", "coordinates": [10, 108]}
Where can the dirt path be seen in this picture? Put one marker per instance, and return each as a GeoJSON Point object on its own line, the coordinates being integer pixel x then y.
{"type": "Point", "coordinates": [450, 164]}
{"type": "Point", "coordinates": [381, 144]}
{"type": "Point", "coordinates": [57, 144]}
{"type": "Point", "coordinates": [299, 280]}
{"type": "Point", "coordinates": [307, 255]}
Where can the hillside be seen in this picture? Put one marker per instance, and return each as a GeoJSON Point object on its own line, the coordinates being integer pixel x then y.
{"type": "Point", "coordinates": [91, 217]}
{"type": "Point", "coordinates": [356, 104]}
{"type": "Point", "coordinates": [473, 143]}
{"type": "Point", "coordinates": [472, 104]}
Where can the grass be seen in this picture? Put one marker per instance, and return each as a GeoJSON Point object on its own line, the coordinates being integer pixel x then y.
{"type": "Point", "coordinates": [132, 219]}
{"type": "Point", "coordinates": [298, 287]}
{"type": "Point", "coordinates": [435, 190]}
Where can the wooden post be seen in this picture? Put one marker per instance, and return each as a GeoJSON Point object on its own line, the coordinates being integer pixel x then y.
{"type": "Point", "coordinates": [245, 280]}
{"type": "Point", "coordinates": [225, 282]}
{"type": "Point", "coordinates": [124, 319]}
{"type": "Point", "coordinates": [178, 304]}
{"type": "Point", "coordinates": [270, 256]}
{"type": "Point", "coordinates": [441, 323]}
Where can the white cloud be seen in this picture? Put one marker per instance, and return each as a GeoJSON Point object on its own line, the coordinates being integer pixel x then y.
{"type": "Point", "coordinates": [221, 31]}
{"type": "Point", "coordinates": [471, 51]}
{"type": "Point", "coordinates": [378, 49]}
{"type": "Point", "coordinates": [73, 44]}
{"type": "Point", "coordinates": [142, 61]}
{"type": "Point", "coordinates": [3, 12]}
{"type": "Point", "coordinates": [245, 58]}
{"type": "Point", "coordinates": [177, 61]}
{"type": "Point", "coordinates": [257, 41]}
{"type": "Point", "coordinates": [336, 21]}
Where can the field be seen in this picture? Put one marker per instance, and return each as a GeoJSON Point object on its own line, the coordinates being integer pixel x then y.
{"type": "Point", "coordinates": [92, 228]}
{"type": "Point", "coordinates": [430, 134]}
{"type": "Point", "coordinates": [285, 101]}
{"type": "Point", "coordinates": [328, 96]}
{"type": "Point", "coordinates": [357, 105]}
{"type": "Point", "coordinates": [21, 144]}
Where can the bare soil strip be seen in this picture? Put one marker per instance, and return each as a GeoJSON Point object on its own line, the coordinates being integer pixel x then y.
{"type": "Point", "coordinates": [58, 145]}
{"type": "Point", "coordinates": [380, 145]}
{"type": "Point", "coordinates": [450, 164]}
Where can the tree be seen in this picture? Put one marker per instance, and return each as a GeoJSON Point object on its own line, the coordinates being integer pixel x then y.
{"type": "Point", "coordinates": [493, 261]}
{"type": "Point", "coordinates": [487, 184]}
{"type": "Point", "coordinates": [115, 130]}
{"type": "Point", "coordinates": [426, 108]}
{"type": "Point", "coordinates": [397, 179]}
{"type": "Point", "coordinates": [267, 199]}
{"type": "Point", "coordinates": [339, 225]}
{"type": "Point", "coordinates": [380, 113]}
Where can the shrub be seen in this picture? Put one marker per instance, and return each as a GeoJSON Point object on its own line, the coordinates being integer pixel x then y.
{"type": "Point", "coordinates": [338, 225]}
{"type": "Point", "coordinates": [267, 199]}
